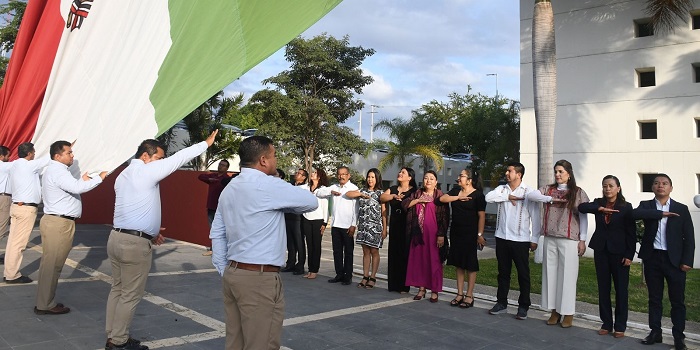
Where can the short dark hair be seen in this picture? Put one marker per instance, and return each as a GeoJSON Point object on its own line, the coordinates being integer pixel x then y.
{"type": "Point", "coordinates": [57, 148]}
{"type": "Point", "coordinates": [4, 151]}
{"type": "Point", "coordinates": [252, 148]}
{"type": "Point", "coordinates": [342, 167]}
{"type": "Point", "coordinates": [518, 167]}
{"type": "Point", "coordinates": [150, 147]}
{"type": "Point", "coordinates": [224, 160]}
{"type": "Point", "coordinates": [281, 174]}
{"type": "Point", "coordinates": [24, 149]}
{"type": "Point", "coordinates": [670, 182]}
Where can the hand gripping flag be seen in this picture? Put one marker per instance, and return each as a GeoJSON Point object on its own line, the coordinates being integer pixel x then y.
{"type": "Point", "coordinates": [110, 74]}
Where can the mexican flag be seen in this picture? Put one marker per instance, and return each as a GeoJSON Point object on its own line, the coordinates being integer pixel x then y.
{"type": "Point", "coordinates": [110, 74]}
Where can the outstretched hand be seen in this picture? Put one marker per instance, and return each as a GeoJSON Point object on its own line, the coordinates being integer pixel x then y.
{"type": "Point", "coordinates": [667, 214]}
{"type": "Point", "coordinates": [605, 210]}
{"type": "Point", "coordinates": [211, 138]}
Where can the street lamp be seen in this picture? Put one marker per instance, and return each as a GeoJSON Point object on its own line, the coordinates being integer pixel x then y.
{"type": "Point", "coordinates": [494, 74]}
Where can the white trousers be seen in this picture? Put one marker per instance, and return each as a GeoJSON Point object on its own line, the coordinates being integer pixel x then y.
{"type": "Point", "coordinates": [559, 275]}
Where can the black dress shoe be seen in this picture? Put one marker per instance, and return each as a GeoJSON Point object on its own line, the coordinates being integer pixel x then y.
{"type": "Point", "coordinates": [335, 280]}
{"type": "Point", "coordinates": [131, 344]}
{"type": "Point", "coordinates": [59, 309]}
{"type": "Point", "coordinates": [652, 338]}
{"type": "Point", "coordinates": [346, 282]}
{"type": "Point", "coordinates": [21, 279]}
{"type": "Point", "coordinates": [679, 344]}
{"type": "Point", "coordinates": [288, 269]}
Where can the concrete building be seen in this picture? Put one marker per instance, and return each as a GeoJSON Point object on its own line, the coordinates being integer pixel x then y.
{"type": "Point", "coordinates": [628, 98]}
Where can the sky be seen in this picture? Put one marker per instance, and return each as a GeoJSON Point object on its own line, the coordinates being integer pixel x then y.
{"type": "Point", "coordinates": [425, 50]}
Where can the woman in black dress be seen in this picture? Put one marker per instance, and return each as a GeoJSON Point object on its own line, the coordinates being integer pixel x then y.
{"type": "Point", "coordinates": [398, 237]}
{"type": "Point", "coordinates": [468, 219]}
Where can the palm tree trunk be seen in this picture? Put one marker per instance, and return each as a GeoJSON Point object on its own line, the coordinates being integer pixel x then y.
{"type": "Point", "coordinates": [544, 71]}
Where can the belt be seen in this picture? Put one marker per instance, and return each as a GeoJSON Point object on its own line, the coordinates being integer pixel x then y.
{"type": "Point", "coordinates": [134, 233]}
{"type": "Point", "coordinates": [64, 216]}
{"type": "Point", "coordinates": [29, 204]}
{"type": "Point", "coordinates": [254, 267]}
{"type": "Point", "coordinates": [6, 194]}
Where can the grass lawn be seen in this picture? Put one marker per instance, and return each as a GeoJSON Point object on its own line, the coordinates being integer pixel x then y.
{"type": "Point", "coordinates": [587, 288]}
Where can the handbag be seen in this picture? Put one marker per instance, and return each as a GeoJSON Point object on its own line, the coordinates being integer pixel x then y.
{"type": "Point", "coordinates": [445, 250]}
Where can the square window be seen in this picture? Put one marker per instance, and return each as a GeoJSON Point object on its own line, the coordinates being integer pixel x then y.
{"type": "Point", "coordinates": [696, 72]}
{"type": "Point", "coordinates": [696, 19]}
{"type": "Point", "coordinates": [647, 180]}
{"type": "Point", "coordinates": [646, 77]}
{"type": "Point", "coordinates": [643, 27]}
{"type": "Point", "coordinates": [647, 130]}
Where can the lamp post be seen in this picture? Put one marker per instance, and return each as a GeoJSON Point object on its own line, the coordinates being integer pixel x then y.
{"type": "Point", "coordinates": [496, 75]}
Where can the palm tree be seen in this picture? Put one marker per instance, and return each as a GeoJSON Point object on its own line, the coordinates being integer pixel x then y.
{"type": "Point", "coordinates": [405, 145]}
{"type": "Point", "coordinates": [664, 15]}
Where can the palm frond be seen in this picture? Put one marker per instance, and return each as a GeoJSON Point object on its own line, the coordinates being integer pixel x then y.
{"type": "Point", "coordinates": [664, 14]}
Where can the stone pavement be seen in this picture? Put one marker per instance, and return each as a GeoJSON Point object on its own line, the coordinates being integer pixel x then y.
{"type": "Point", "coordinates": [183, 309]}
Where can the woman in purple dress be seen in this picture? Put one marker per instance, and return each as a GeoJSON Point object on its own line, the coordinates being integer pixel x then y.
{"type": "Point", "coordinates": [427, 222]}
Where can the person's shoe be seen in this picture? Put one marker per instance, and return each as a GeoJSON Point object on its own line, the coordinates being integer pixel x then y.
{"type": "Point", "coordinates": [346, 282]}
{"type": "Point", "coordinates": [568, 321]}
{"type": "Point", "coordinates": [618, 335]}
{"type": "Point", "coordinates": [420, 295]}
{"type": "Point", "coordinates": [21, 279]}
{"type": "Point", "coordinates": [288, 269]}
{"type": "Point", "coordinates": [131, 344]}
{"type": "Point", "coordinates": [335, 279]}
{"type": "Point", "coordinates": [207, 253]}
{"type": "Point", "coordinates": [299, 272]}
{"type": "Point", "coordinates": [373, 281]}
{"type": "Point", "coordinates": [464, 304]}
{"type": "Point", "coordinates": [652, 338]}
{"type": "Point", "coordinates": [554, 318]}
{"type": "Point", "coordinates": [603, 331]}
{"type": "Point", "coordinates": [499, 309]}
{"type": "Point", "coordinates": [434, 300]}
{"type": "Point", "coordinates": [679, 344]}
{"type": "Point", "coordinates": [458, 299]}
{"type": "Point", "coordinates": [59, 309]}
{"type": "Point", "coordinates": [522, 313]}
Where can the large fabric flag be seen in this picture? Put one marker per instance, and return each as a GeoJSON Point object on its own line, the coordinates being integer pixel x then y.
{"type": "Point", "coordinates": [110, 74]}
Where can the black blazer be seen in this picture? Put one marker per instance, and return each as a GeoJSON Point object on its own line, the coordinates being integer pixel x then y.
{"type": "Point", "coordinates": [619, 236]}
{"type": "Point", "coordinates": [680, 235]}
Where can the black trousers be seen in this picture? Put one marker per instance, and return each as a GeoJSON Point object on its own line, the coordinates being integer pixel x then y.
{"type": "Point", "coordinates": [507, 254]}
{"type": "Point", "coordinates": [607, 266]}
{"type": "Point", "coordinates": [311, 229]}
{"type": "Point", "coordinates": [342, 253]}
{"type": "Point", "coordinates": [296, 251]}
{"type": "Point", "coordinates": [656, 269]}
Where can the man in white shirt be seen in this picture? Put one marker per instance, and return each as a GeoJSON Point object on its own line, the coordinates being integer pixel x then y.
{"type": "Point", "coordinates": [343, 226]}
{"type": "Point", "coordinates": [136, 228]}
{"type": "Point", "coordinates": [5, 196]}
{"type": "Point", "coordinates": [513, 238]}
{"type": "Point", "coordinates": [61, 192]}
{"type": "Point", "coordinates": [26, 196]}
{"type": "Point", "coordinates": [248, 238]}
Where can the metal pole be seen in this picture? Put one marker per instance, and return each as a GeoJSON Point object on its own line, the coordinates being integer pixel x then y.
{"type": "Point", "coordinates": [494, 74]}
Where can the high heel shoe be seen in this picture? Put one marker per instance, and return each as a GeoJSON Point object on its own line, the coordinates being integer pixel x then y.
{"type": "Point", "coordinates": [370, 286]}
{"type": "Point", "coordinates": [434, 300]}
{"type": "Point", "coordinates": [456, 301]}
{"type": "Point", "coordinates": [419, 296]}
{"type": "Point", "coordinates": [362, 283]}
{"type": "Point", "coordinates": [554, 318]}
{"type": "Point", "coordinates": [464, 304]}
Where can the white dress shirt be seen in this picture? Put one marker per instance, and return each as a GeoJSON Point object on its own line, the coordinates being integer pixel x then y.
{"type": "Point", "coordinates": [344, 208]}
{"type": "Point", "coordinates": [321, 213]}
{"type": "Point", "coordinates": [137, 190]}
{"type": "Point", "coordinates": [5, 168]}
{"type": "Point", "coordinates": [513, 223]}
{"type": "Point", "coordinates": [249, 226]}
{"type": "Point", "coordinates": [660, 239]}
{"type": "Point", "coordinates": [24, 179]}
{"type": "Point", "coordinates": [62, 191]}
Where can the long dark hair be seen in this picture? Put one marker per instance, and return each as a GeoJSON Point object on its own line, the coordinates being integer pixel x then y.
{"type": "Point", "coordinates": [620, 200]}
{"type": "Point", "coordinates": [476, 179]}
{"type": "Point", "coordinates": [412, 174]}
{"type": "Point", "coordinates": [573, 189]}
{"type": "Point", "coordinates": [322, 179]}
{"type": "Point", "coordinates": [377, 176]}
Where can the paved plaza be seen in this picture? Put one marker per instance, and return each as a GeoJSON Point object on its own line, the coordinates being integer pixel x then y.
{"type": "Point", "coordinates": [183, 309]}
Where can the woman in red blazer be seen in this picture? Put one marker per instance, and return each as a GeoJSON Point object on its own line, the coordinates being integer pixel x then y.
{"type": "Point", "coordinates": [614, 242]}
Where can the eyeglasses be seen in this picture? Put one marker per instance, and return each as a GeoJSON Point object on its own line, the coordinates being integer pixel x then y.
{"type": "Point", "coordinates": [343, 174]}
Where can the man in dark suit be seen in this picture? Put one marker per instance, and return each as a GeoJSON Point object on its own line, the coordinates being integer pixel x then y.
{"type": "Point", "coordinates": [668, 251]}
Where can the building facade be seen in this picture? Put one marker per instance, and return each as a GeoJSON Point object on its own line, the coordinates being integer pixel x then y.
{"type": "Point", "coordinates": [628, 98]}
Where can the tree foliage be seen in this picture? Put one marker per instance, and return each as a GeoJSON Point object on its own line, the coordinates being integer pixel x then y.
{"type": "Point", "coordinates": [11, 15]}
{"type": "Point", "coordinates": [312, 98]}
{"type": "Point", "coordinates": [408, 144]}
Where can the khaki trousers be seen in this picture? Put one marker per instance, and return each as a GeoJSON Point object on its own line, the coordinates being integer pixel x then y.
{"type": "Point", "coordinates": [254, 304]}
{"type": "Point", "coordinates": [131, 258]}
{"type": "Point", "coordinates": [21, 224]}
{"type": "Point", "coordinates": [56, 242]}
{"type": "Point", "coordinates": [5, 203]}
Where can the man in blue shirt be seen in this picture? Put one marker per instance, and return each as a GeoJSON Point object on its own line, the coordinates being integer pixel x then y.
{"type": "Point", "coordinates": [248, 242]}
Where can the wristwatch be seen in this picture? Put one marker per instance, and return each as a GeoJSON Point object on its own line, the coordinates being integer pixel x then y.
{"type": "Point", "coordinates": [480, 234]}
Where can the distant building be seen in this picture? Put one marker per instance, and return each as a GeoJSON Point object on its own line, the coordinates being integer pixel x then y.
{"type": "Point", "coordinates": [628, 99]}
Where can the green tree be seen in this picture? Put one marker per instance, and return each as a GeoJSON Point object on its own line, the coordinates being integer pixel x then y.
{"type": "Point", "coordinates": [11, 15]}
{"type": "Point", "coordinates": [407, 144]}
{"type": "Point", "coordinates": [203, 120]}
{"type": "Point", "coordinates": [312, 98]}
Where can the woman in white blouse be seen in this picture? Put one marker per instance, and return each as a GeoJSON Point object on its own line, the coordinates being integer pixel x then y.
{"type": "Point", "coordinates": [314, 222]}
